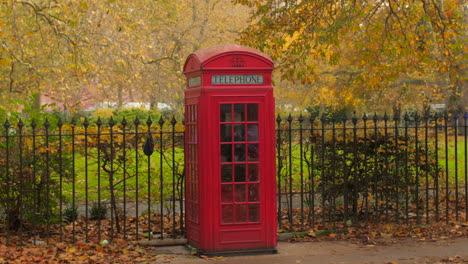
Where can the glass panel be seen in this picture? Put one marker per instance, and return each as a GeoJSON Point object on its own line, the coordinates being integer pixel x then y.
{"type": "Point", "coordinates": [252, 173]}
{"type": "Point", "coordinates": [226, 153]}
{"type": "Point", "coordinates": [254, 193]}
{"type": "Point", "coordinates": [226, 173]}
{"type": "Point", "coordinates": [253, 152]}
{"type": "Point", "coordinates": [240, 173]}
{"type": "Point", "coordinates": [225, 113]}
{"type": "Point", "coordinates": [226, 193]}
{"type": "Point", "coordinates": [252, 112]}
{"type": "Point", "coordinates": [240, 192]}
{"type": "Point", "coordinates": [239, 132]}
{"type": "Point", "coordinates": [194, 114]}
{"type": "Point", "coordinates": [196, 212]}
{"type": "Point", "coordinates": [227, 214]}
{"type": "Point", "coordinates": [226, 133]}
{"type": "Point", "coordinates": [241, 213]}
{"type": "Point", "coordinates": [252, 132]}
{"type": "Point", "coordinates": [239, 112]}
{"type": "Point", "coordinates": [254, 213]}
{"type": "Point", "coordinates": [195, 192]}
{"type": "Point", "coordinates": [239, 152]}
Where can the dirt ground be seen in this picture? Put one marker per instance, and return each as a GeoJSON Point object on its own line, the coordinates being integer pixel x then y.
{"type": "Point", "coordinates": [385, 251]}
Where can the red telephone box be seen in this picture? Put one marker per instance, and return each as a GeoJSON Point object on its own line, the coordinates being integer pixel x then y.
{"type": "Point", "coordinates": [230, 151]}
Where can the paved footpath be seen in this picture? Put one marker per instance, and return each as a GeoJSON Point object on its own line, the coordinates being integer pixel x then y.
{"type": "Point", "coordinates": [384, 251]}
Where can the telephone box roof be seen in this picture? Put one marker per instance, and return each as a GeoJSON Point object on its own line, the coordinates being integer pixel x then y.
{"type": "Point", "coordinates": [207, 54]}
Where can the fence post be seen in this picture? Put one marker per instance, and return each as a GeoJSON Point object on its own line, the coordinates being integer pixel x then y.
{"type": "Point", "coordinates": [278, 169]}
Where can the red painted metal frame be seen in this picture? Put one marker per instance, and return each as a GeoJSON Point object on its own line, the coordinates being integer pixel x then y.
{"type": "Point", "coordinates": [205, 230]}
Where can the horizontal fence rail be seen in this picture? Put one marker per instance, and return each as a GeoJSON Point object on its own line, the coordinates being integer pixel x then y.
{"type": "Point", "coordinates": [105, 179]}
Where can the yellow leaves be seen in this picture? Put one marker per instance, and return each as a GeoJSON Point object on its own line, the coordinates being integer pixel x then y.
{"type": "Point", "coordinates": [71, 249]}
{"type": "Point", "coordinates": [5, 61]}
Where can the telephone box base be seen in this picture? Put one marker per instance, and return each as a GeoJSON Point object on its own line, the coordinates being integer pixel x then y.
{"type": "Point", "coordinates": [265, 251]}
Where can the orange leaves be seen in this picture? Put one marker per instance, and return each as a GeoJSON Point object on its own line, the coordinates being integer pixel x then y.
{"type": "Point", "coordinates": [118, 251]}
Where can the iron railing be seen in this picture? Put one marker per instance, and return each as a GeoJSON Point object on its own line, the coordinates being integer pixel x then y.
{"type": "Point", "coordinates": [102, 180]}
{"type": "Point", "coordinates": [332, 173]}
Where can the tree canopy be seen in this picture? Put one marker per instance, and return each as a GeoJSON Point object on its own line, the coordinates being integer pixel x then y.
{"type": "Point", "coordinates": [365, 52]}
{"type": "Point", "coordinates": [92, 50]}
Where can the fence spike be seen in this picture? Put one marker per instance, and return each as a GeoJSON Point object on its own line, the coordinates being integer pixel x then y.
{"type": "Point", "coordinates": [456, 116]}
{"type": "Point", "coordinates": [7, 124]}
{"type": "Point", "coordinates": [86, 122]}
{"type": "Point", "coordinates": [322, 118]}
{"type": "Point", "coordinates": [312, 118]}
{"type": "Point", "coordinates": [136, 122]}
{"type": "Point", "coordinates": [365, 117]}
{"type": "Point", "coordinates": [354, 118]}
{"type": "Point", "coordinates": [375, 117]}
{"type": "Point", "coordinates": [385, 117]}
{"type": "Point", "coordinates": [427, 114]}
{"type": "Point", "coordinates": [290, 119]}
{"type": "Point", "coordinates": [47, 123]}
{"type": "Point", "coordinates": [173, 121]}
{"type": "Point", "coordinates": [60, 123]}
{"type": "Point", "coordinates": [406, 117]}
{"type": "Point", "coordinates": [417, 118]}
{"type": "Point", "coordinates": [124, 122]}
{"type": "Point", "coordinates": [301, 118]}
{"type": "Point", "coordinates": [161, 122]}
{"type": "Point", "coordinates": [73, 121]}
{"type": "Point", "coordinates": [33, 124]}
{"type": "Point", "coordinates": [99, 122]}
{"type": "Point", "coordinates": [278, 119]}
{"type": "Point", "coordinates": [20, 124]}
{"type": "Point", "coordinates": [111, 122]}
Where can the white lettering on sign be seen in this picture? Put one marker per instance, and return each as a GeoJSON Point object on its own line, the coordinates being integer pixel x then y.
{"type": "Point", "coordinates": [237, 79]}
{"type": "Point", "coordinates": [194, 81]}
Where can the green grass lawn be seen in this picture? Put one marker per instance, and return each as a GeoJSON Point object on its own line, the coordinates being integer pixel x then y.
{"type": "Point", "coordinates": [454, 156]}
{"type": "Point", "coordinates": [95, 187]}
{"type": "Point", "coordinates": [131, 193]}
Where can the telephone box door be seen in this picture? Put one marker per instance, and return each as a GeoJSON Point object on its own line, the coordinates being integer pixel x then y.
{"type": "Point", "coordinates": [243, 187]}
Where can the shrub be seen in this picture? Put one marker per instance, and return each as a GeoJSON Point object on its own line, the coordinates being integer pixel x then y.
{"type": "Point", "coordinates": [98, 212]}
{"type": "Point", "coordinates": [70, 214]}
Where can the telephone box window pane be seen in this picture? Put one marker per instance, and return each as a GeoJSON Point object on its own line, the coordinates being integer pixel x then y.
{"type": "Point", "coordinates": [239, 152]}
{"type": "Point", "coordinates": [253, 193]}
{"type": "Point", "coordinates": [226, 173]}
{"type": "Point", "coordinates": [252, 132]}
{"type": "Point", "coordinates": [240, 192]}
{"type": "Point", "coordinates": [240, 173]}
{"type": "Point", "coordinates": [252, 112]}
{"type": "Point", "coordinates": [227, 214]}
{"type": "Point", "coordinates": [254, 213]}
{"type": "Point", "coordinates": [239, 112]}
{"type": "Point", "coordinates": [226, 133]}
{"type": "Point", "coordinates": [226, 193]}
{"type": "Point", "coordinates": [225, 113]}
{"type": "Point", "coordinates": [241, 213]}
{"type": "Point", "coordinates": [226, 153]}
{"type": "Point", "coordinates": [195, 192]}
{"type": "Point", "coordinates": [253, 152]}
{"type": "Point", "coordinates": [252, 172]}
{"type": "Point", "coordinates": [239, 132]}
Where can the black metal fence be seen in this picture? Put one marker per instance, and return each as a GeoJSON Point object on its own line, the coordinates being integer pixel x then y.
{"type": "Point", "coordinates": [107, 179]}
